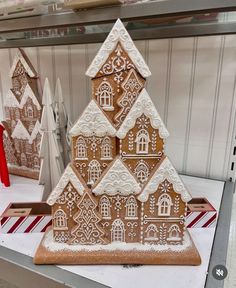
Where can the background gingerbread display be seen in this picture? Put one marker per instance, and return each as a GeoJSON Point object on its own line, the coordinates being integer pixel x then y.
{"type": "Point", "coordinates": [23, 115]}
{"type": "Point", "coordinates": [123, 200]}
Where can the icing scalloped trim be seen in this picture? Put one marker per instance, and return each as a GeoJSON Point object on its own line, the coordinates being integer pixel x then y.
{"type": "Point", "coordinates": [143, 105]}
{"type": "Point", "coordinates": [68, 176]}
{"type": "Point", "coordinates": [165, 171]}
{"type": "Point", "coordinates": [117, 179]}
{"type": "Point", "coordinates": [118, 34]}
{"type": "Point", "coordinates": [93, 122]}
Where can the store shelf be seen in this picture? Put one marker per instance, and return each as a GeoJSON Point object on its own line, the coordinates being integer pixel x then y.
{"type": "Point", "coordinates": [146, 10]}
{"type": "Point", "coordinates": [16, 251]}
{"type": "Point", "coordinates": [140, 34]}
{"type": "Point", "coordinates": [147, 20]}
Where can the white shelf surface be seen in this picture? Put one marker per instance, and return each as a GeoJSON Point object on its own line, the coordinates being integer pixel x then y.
{"type": "Point", "coordinates": [116, 276]}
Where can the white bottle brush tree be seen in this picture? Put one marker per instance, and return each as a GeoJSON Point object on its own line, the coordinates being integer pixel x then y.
{"type": "Point", "coordinates": [62, 121]}
{"type": "Point", "coordinates": [51, 160]}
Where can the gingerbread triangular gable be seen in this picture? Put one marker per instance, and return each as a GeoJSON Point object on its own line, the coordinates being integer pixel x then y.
{"type": "Point", "coordinates": [93, 122]}
{"type": "Point", "coordinates": [35, 132]}
{"type": "Point", "coordinates": [11, 100]}
{"type": "Point", "coordinates": [29, 93]}
{"type": "Point", "coordinates": [117, 179]}
{"type": "Point", "coordinates": [143, 105]}
{"type": "Point", "coordinates": [20, 56]}
{"type": "Point", "coordinates": [164, 171]}
{"type": "Point", "coordinates": [118, 34]}
{"type": "Point", "coordinates": [69, 175]}
{"type": "Point", "coordinates": [20, 132]}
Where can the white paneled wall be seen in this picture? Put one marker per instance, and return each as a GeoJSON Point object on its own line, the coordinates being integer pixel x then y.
{"type": "Point", "coordinates": [192, 85]}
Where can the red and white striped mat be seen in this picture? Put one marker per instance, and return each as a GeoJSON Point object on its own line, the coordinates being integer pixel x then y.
{"type": "Point", "coordinates": [25, 224]}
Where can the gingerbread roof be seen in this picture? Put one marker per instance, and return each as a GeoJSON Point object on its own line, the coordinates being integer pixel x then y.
{"type": "Point", "coordinates": [93, 122]}
{"type": "Point", "coordinates": [164, 170]}
{"type": "Point", "coordinates": [117, 178]}
{"type": "Point", "coordinates": [69, 175]}
{"type": "Point", "coordinates": [118, 34]}
{"type": "Point", "coordinates": [11, 100]}
{"type": "Point", "coordinates": [142, 105]}
{"type": "Point", "coordinates": [35, 131]}
{"type": "Point", "coordinates": [20, 56]}
{"type": "Point", "coordinates": [29, 93]}
{"type": "Point", "coordinates": [20, 132]}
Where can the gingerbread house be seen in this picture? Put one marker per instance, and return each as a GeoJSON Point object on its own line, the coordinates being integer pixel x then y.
{"type": "Point", "coordinates": [23, 113]}
{"type": "Point", "coordinates": [120, 200]}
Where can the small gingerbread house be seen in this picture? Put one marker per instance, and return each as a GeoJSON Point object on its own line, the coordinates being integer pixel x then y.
{"type": "Point", "coordinates": [23, 115]}
{"type": "Point", "coordinates": [121, 200]}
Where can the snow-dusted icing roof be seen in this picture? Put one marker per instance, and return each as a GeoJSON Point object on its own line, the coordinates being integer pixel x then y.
{"type": "Point", "coordinates": [142, 105]}
{"type": "Point", "coordinates": [93, 122]}
{"type": "Point", "coordinates": [29, 93]}
{"type": "Point", "coordinates": [163, 171]}
{"type": "Point", "coordinates": [117, 179]}
{"type": "Point", "coordinates": [20, 132]}
{"type": "Point", "coordinates": [69, 175]}
{"type": "Point", "coordinates": [11, 100]}
{"type": "Point", "coordinates": [118, 34]}
{"type": "Point", "coordinates": [20, 56]}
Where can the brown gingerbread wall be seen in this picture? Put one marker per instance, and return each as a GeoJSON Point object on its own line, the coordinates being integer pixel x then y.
{"type": "Point", "coordinates": [68, 203]}
{"type": "Point", "coordinates": [93, 150]}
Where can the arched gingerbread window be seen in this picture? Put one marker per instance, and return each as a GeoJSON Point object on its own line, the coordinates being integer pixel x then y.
{"type": "Point", "coordinates": [106, 149]}
{"type": "Point", "coordinates": [142, 172]}
{"type": "Point", "coordinates": [142, 141]}
{"type": "Point", "coordinates": [151, 232]}
{"type": "Point", "coordinates": [36, 162]}
{"type": "Point", "coordinates": [60, 220]}
{"type": "Point", "coordinates": [131, 208]}
{"type": "Point", "coordinates": [94, 171]}
{"type": "Point", "coordinates": [164, 205]}
{"type": "Point", "coordinates": [23, 159]}
{"type": "Point", "coordinates": [81, 148]}
{"type": "Point", "coordinates": [105, 207]}
{"type": "Point", "coordinates": [118, 231]}
{"type": "Point", "coordinates": [105, 96]}
{"type": "Point", "coordinates": [174, 233]}
{"type": "Point", "coordinates": [30, 112]}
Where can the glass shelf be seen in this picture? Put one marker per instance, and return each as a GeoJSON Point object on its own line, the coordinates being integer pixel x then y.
{"type": "Point", "coordinates": [144, 20]}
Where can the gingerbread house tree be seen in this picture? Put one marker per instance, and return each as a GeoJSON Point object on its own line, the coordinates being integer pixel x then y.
{"type": "Point", "coordinates": [23, 114]}
{"type": "Point", "coordinates": [120, 182]}
{"type": "Point", "coordinates": [88, 230]}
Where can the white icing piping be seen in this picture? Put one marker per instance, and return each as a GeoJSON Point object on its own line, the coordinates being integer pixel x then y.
{"type": "Point", "coordinates": [68, 176]}
{"type": "Point", "coordinates": [118, 34]}
{"type": "Point", "coordinates": [93, 122]}
{"type": "Point", "coordinates": [165, 171]}
{"type": "Point", "coordinates": [118, 179]}
{"type": "Point", "coordinates": [143, 105]}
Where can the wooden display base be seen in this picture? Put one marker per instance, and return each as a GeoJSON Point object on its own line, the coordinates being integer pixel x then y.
{"type": "Point", "coordinates": [49, 253]}
{"type": "Point", "coordinates": [21, 171]}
